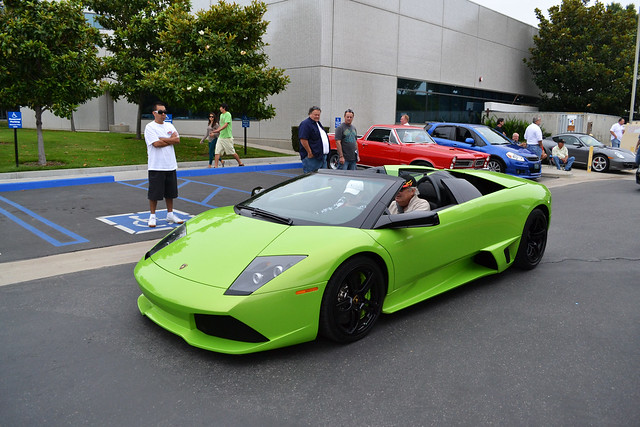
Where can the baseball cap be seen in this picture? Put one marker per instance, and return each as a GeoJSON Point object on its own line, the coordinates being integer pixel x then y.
{"type": "Point", "coordinates": [354, 187]}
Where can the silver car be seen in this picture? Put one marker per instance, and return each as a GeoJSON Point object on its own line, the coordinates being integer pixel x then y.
{"type": "Point", "coordinates": [605, 158]}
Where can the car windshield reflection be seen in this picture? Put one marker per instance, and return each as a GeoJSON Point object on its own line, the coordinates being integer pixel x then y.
{"type": "Point", "coordinates": [494, 138]}
{"type": "Point", "coordinates": [419, 136]}
{"type": "Point", "coordinates": [590, 141]}
{"type": "Point", "coordinates": [318, 198]}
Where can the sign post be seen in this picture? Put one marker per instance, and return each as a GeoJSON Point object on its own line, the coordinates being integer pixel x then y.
{"type": "Point", "coordinates": [245, 125]}
{"type": "Point", "coordinates": [14, 119]}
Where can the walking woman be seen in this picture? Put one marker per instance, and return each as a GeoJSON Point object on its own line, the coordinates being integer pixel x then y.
{"type": "Point", "coordinates": [212, 136]}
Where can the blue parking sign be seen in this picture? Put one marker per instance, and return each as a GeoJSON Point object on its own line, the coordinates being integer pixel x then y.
{"type": "Point", "coordinates": [338, 122]}
{"type": "Point", "coordinates": [14, 119]}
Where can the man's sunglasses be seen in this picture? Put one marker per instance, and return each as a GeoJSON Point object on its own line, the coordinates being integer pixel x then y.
{"type": "Point", "coordinates": [161, 111]}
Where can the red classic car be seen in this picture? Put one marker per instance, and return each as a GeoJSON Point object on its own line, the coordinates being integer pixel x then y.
{"type": "Point", "coordinates": [407, 145]}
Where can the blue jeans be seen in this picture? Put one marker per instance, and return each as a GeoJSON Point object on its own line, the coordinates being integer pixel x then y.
{"type": "Point", "coordinates": [314, 163]}
{"type": "Point", "coordinates": [212, 150]}
{"type": "Point", "coordinates": [615, 142]}
{"type": "Point", "coordinates": [348, 165]}
{"type": "Point", "coordinates": [558, 162]}
{"type": "Point", "coordinates": [535, 149]}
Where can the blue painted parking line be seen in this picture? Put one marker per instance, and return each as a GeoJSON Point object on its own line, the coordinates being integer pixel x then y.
{"type": "Point", "coordinates": [76, 238]}
{"type": "Point", "coordinates": [138, 222]}
{"type": "Point", "coordinates": [32, 185]}
{"type": "Point", "coordinates": [204, 202]}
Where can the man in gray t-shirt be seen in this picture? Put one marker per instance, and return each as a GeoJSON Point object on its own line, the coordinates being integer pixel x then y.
{"type": "Point", "coordinates": [346, 142]}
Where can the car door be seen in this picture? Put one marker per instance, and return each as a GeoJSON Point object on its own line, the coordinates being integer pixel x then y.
{"type": "Point", "coordinates": [576, 149]}
{"type": "Point", "coordinates": [379, 147]}
{"type": "Point", "coordinates": [445, 135]}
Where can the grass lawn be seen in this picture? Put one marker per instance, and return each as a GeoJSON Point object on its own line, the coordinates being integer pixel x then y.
{"type": "Point", "coordinates": [66, 150]}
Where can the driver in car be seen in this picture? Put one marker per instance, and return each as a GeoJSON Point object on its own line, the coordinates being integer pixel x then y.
{"type": "Point", "coordinates": [407, 199]}
{"type": "Point", "coordinates": [351, 197]}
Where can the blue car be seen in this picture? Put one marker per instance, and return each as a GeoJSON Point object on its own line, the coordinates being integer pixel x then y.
{"type": "Point", "coordinates": [505, 156]}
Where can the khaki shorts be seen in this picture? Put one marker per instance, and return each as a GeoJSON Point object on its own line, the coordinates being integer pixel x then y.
{"type": "Point", "coordinates": [225, 146]}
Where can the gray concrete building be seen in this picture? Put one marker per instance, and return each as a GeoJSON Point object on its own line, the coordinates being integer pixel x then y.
{"type": "Point", "coordinates": [431, 59]}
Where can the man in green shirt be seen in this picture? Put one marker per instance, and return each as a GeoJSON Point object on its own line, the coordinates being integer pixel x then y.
{"type": "Point", "coordinates": [225, 140]}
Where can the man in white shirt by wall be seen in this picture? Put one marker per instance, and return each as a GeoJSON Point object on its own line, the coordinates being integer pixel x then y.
{"type": "Point", "coordinates": [616, 131]}
{"type": "Point", "coordinates": [533, 136]}
{"type": "Point", "coordinates": [160, 138]}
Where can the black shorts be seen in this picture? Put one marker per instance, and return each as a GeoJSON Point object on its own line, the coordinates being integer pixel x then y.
{"type": "Point", "coordinates": [162, 185]}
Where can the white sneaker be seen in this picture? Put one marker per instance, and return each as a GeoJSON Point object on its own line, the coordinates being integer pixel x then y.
{"type": "Point", "coordinates": [152, 221]}
{"type": "Point", "coordinates": [172, 218]}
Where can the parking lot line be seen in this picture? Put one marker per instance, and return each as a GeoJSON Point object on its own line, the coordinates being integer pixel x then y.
{"type": "Point", "coordinates": [76, 238]}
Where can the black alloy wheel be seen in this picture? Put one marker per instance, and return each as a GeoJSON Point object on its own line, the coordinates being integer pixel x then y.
{"type": "Point", "coordinates": [533, 241]}
{"type": "Point", "coordinates": [352, 301]}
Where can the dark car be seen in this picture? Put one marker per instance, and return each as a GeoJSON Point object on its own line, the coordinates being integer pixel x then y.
{"type": "Point", "coordinates": [505, 156]}
{"type": "Point", "coordinates": [605, 158]}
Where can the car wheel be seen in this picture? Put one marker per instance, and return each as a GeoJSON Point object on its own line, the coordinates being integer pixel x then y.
{"type": "Point", "coordinates": [352, 301]}
{"type": "Point", "coordinates": [495, 165]}
{"type": "Point", "coordinates": [333, 160]}
{"type": "Point", "coordinates": [422, 163]}
{"type": "Point", "coordinates": [600, 163]}
{"type": "Point", "coordinates": [533, 241]}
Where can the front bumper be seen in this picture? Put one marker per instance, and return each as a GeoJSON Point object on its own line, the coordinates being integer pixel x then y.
{"type": "Point", "coordinates": [206, 318]}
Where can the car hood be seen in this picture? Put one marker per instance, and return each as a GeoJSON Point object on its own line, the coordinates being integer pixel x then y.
{"type": "Point", "coordinates": [460, 153]}
{"type": "Point", "coordinates": [219, 244]}
{"type": "Point", "coordinates": [516, 149]}
{"type": "Point", "coordinates": [626, 153]}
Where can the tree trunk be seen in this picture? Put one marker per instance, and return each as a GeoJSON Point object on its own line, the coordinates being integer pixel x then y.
{"type": "Point", "coordinates": [139, 119]}
{"type": "Point", "coordinates": [73, 124]}
{"type": "Point", "coordinates": [42, 158]}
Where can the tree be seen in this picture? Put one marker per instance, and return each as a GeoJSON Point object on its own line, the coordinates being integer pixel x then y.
{"type": "Point", "coordinates": [216, 56]}
{"type": "Point", "coordinates": [582, 59]}
{"type": "Point", "coordinates": [132, 41]}
{"type": "Point", "coordinates": [49, 58]}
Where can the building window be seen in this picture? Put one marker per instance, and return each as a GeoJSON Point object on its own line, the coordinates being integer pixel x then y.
{"type": "Point", "coordinates": [434, 102]}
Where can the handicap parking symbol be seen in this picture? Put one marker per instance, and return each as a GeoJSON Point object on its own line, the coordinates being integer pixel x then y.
{"type": "Point", "coordinates": [138, 222]}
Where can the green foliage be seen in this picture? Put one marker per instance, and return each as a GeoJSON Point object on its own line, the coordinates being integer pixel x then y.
{"type": "Point", "coordinates": [49, 58]}
{"type": "Point", "coordinates": [95, 149]}
{"type": "Point", "coordinates": [132, 42]}
{"type": "Point", "coordinates": [215, 56]}
{"type": "Point", "coordinates": [582, 59]}
{"type": "Point", "coordinates": [512, 125]}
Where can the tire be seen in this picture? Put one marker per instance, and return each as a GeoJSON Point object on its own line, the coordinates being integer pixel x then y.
{"type": "Point", "coordinates": [333, 160]}
{"type": "Point", "coordinates": [533, 241]}
{"type": "Point", "coordinates": [600, 163]}
{"type": "Point", "coordinates": [495, 165]}
{"type": "Point", "coordinates": [422, 163]}
{"type": "Point", "coordinates": [352, 301]}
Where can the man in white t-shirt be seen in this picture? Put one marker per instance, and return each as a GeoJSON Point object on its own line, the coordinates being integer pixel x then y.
{"type": "Point", "coordinates": [616, 131]}
{"type": "Point", "coordinates": [162, 165]}
{"type": "Point", "coordinates": [533, 136]}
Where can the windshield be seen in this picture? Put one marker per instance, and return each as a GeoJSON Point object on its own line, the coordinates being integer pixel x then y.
{"type": "Point", "coordinates": [318, 198]}
{"type": "Point", "coordinates": [493, 137]}
{"type": "Point", "coordinates": [590, 141]}
{"type": "Point", "coordinates": [415, 136]}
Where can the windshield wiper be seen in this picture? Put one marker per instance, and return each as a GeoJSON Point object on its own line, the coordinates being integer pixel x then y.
{"type": "Point", "coordinates": [266, 214]}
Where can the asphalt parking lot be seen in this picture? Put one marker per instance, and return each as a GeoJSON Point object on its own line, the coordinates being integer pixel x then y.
{"type": "Point", "coordinates": [79, 216]}
{"type": "Point", "coordinates": [555, 346]}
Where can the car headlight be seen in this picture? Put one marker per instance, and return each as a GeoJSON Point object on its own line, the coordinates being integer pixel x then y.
{"type": "Point", "coordinates": [514, 156]}
{"type": "Point", "coordinates": [618, 155]}
{"type": "Point", "coordinates": [261, 271]}
{"type": "Point", "coordinates": [176, 234]}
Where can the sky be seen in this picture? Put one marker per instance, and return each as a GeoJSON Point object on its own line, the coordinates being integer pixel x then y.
{"type": "Point", "coordinates": [522, 10]}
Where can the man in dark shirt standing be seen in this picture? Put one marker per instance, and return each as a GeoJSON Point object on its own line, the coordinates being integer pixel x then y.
{"type": "Point", "coordinates": [500, 127]}
{"type": "Point", "coordinates": [346, 145]}
{"type": "Point", "coordinates": [314, 142]}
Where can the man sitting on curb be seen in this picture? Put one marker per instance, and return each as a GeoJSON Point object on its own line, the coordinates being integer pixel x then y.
{"type": "Point", "coordinates": [560, 156]}
{"type": "Point", "coordinates": [407, 199]}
